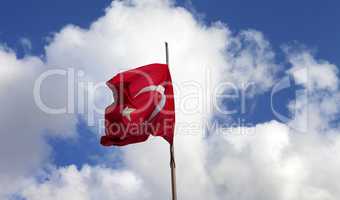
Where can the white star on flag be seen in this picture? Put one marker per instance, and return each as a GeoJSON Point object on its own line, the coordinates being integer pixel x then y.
{"type": "Point", "coordinates": [127, 112]}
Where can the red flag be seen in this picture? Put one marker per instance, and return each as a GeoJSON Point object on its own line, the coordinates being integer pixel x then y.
{"type": "Point", "coordinates": [143, 105]}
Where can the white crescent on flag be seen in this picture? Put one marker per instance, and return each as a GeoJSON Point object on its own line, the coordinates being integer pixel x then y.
{"type": "Point", "coordinates": [160, 106]}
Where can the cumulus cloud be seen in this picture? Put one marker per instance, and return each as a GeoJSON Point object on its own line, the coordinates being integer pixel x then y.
{"type": "Point", "coordinates": [314, 75]}
{"type": "Point", "coordinates": [318, 108]}
{"type": "Point", "coordinates": [22, 148]}
{"type": "Point", "coordinates": [87, 183]}
{"type": "Point", "coordinates": [252, 61]}
{"type": "Point", "coordinates": [275, 163]}
{"type": "Point", "coordinates": [279, 161]}
{"type": "Point", "coordinates": [272, 163]}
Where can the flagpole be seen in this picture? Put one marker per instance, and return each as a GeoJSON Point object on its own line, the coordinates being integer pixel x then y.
{"type": "Point", "coordinates": [173, 172]}
{"type": "Point", "coordinates": [172, 154]}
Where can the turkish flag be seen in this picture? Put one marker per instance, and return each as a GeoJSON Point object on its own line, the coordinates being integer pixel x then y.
{"type": "Point", "coordinates": [143, 105]}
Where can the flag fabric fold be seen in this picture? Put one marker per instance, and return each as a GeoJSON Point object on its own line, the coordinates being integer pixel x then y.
{"type": "Point", "coordinates": [143, 106]}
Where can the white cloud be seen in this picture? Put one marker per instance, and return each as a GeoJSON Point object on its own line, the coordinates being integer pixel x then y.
{"type": "Point", "coordinates": [276, 163]}
{"type": "Point", "coordinates": [319, 106]}
{"type": "Point", "coordinates": [313, 74]}
{"type": "Point", "coordinates": [23, 150]}
{"type": "Point", "coordinates": [252, 61]}
{"type": "Point", "coordinates": [87, 183]}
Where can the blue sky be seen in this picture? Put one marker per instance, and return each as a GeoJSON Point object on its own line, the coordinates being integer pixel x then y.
{"type": "Point", "coordinates": [302, 25]}
{"type": "Point", "coordinates": [37, 19]}
{"type": "Point", "coordinates": [282, 22]}
{"type": "Point", "coordinates": [312, 23]}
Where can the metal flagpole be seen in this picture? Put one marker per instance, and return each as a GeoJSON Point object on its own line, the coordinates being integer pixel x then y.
{"type": "Point", "coordinates": [172, 154]}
